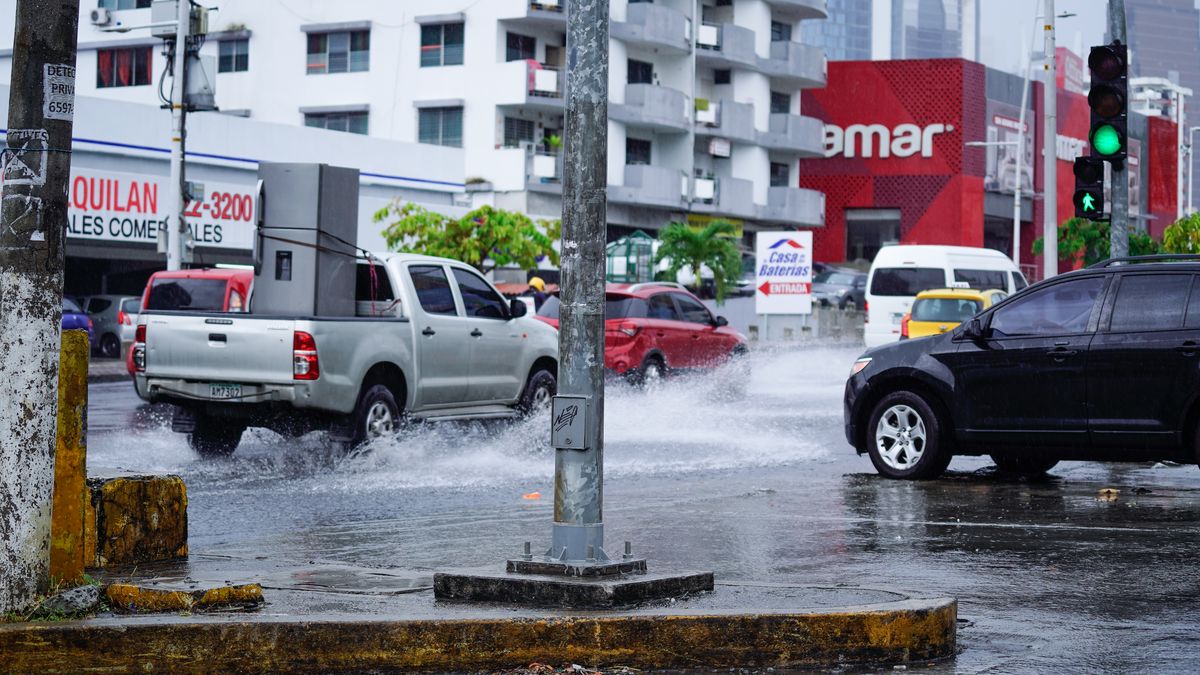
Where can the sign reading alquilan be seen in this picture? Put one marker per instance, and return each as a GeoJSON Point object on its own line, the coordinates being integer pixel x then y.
{"type": "Point", "coordinates": [114, 206]}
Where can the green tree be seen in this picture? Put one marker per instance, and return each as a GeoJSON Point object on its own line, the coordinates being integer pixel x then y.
{"type": "Point", "coordinates": [485, 238]}
{"type": "Point", "coordinates": [1090, 239]}
{"type": "Point", "coordinates": [714, 246]}
{"type": "Point", "coordinates": [1183, 236]}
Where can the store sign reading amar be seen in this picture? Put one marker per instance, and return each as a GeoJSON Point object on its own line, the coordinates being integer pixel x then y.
{"type": "Point", "coordinates": [876, 140]}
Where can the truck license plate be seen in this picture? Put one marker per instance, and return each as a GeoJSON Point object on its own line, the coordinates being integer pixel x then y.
{"type": "Point", "coordinates": [224, 391]}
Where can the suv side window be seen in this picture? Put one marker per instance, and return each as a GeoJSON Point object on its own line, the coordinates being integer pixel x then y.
{"type": "Point", "coordinates": [662, 307]}
{"type": "Point", "coordinates": [98, 305]}
{"type": "Point", "coordinates": [693, 312]}
{"type": "Point", "coordinates": [1150, 302]}
{"type": "Point", "coordinates": [1061, 309]}
{"type": "Point", "coordinates": [1193, 310]}
{"type": "Point", "coordinates": [478, 297]}
{"type": "Point", "coordinates": [433, 289]}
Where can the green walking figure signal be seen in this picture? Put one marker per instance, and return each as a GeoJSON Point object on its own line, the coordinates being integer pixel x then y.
{"type": "Point", "coordinates": [1089, 188]}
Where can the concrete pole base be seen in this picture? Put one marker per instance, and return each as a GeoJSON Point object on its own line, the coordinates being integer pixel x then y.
{"type": "Point", "coordinates": [565, 590]}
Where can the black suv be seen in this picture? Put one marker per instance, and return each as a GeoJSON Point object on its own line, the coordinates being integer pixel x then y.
{"type": "Point", "coordinates": [1098, 364]}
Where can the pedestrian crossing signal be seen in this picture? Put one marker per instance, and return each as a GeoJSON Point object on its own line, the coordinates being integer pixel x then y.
{"type": "Point", "coordinates": [1089, 188]}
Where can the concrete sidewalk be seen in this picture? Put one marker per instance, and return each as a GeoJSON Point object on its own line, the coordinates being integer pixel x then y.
{"type": "Point", "coordinates": [340, 618]}
{"type": "Point", "coordinates": [106, 370]}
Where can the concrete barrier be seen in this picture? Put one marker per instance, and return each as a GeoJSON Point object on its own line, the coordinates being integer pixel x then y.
{"type": "Point", "coordinates": [135, 519]}
{"type": "Point", "coordinates": [825, 323]}
{"type": "Point", "coordinates": [68, 555]}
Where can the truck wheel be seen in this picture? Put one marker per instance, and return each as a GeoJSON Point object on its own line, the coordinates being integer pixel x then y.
{"type": "Point", "coordinates": [904, 438]}
{"type": "Point", "coordinates": [542, 387]}
{"type": "Point", "coordinates": [1023, 466]}
{"type": "Point", "coordinates": [377, 415]}
{"type": "Point", "coordinates": [212, 438]}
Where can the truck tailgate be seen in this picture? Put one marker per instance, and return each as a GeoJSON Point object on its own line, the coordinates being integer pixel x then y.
{"type": "Point", "coordinates": [221, 348]}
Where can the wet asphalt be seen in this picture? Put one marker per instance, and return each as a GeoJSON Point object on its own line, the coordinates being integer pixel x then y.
{"type": "Point", "coordinates": [1091, 569]}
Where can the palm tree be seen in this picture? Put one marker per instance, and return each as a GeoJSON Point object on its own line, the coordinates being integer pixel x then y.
{"type": "Point", "coordinates": [714, 246]}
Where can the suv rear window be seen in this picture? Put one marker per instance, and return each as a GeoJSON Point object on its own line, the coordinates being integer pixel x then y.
{"type": "Point", "coordinates": [615, 307]}
{"type": "Point", "coordinates": [906, 281]}
{"type": "Point", "coordinates": [945, 309]}
{"type": "Point", "coordinates": [982, 279]}
{"type": "Point", "coordinates": [206, 295]}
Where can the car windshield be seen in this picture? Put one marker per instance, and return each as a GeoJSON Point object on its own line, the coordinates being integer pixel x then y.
{"type": "Point", "coordinates": [206, 295]}
{"type": "Point", "coordinates": [945, 309]}
{"type": "Point", "coordinates": [906, 281]}
{"type": "Point", "coordinates": [615, 307]}
{"type": "Point", "coordinates": [835, 278]}
{"type": "Point", "coordinates": [70, 306]}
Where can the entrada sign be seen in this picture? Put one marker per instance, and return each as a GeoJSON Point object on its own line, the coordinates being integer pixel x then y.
{"type": "Point", "coordinates": [783, 272]}
{"type": "Point", "coordinates": [876, 140]}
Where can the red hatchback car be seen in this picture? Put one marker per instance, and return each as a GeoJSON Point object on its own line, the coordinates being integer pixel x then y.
{"type": "Point", "coordinates": [652, 329]}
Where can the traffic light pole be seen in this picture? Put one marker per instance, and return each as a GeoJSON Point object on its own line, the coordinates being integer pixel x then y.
{"type": "Point", "coordinates": [177, 226]}
{"type": "Point", "coordinates": [1050, 152]}
{"type": "Point", "coordinates": [1118, 228]}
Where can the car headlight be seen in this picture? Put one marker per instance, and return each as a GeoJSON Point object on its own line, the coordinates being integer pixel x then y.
{"type": "Point", "coordinates": [859, 365]}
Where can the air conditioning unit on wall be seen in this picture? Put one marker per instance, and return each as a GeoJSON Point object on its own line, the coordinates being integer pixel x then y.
{"type": "Point", "coordinates": [100, 16]}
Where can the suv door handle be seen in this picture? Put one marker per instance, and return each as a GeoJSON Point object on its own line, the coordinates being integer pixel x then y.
{"type": "Point", "coordinates": [476, 333]}
{"type": "Point", "coordinates": [1059, 353]}
{"type": "Point", "coordinates": [429, 331]}
{"type": "Point", "coordinates": [1187, 348]}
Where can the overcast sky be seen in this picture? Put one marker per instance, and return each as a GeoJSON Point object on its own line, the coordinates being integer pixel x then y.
{"type": "Point", "coordinates": [1007, 25]}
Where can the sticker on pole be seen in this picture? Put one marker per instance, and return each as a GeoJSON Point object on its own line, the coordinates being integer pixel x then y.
{"type": "Point", "coordinates": [783, 273]}
{"type": "Point", "coordinates": [568, 422]}
{"type": "Point", "coordinates": [58, 92]}
{"type": "Point", "coordinates": [25, 158]}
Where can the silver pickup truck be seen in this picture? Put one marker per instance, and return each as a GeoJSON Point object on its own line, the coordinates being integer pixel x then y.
{"type": "Point", "coordinates": [434, 340]}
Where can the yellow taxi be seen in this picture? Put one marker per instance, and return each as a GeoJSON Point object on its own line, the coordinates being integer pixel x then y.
{"type": "Point", "coordinates": [938, 310]}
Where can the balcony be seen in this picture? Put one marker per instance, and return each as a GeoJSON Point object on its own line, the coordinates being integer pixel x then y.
{"type": "Point", "coordinates": [647, 185]}
{"type": "Point", "coordinates": [795, 134]}
{"type": "Point", "coordinates": [800, 10]}
{"type": "Point", "coordinates": [545, 14]}
{"type": "Point", "coordinates": [544, 171]}
{"type": "Point", "coordinates": [655, 26]}
{"type": "Point", "coordinates": [794, 206]}
{"type": "Point", "coordinates": [802, 65]}
{"type": "Point", "coordinates": [725, 45]}
{"type": "Point", "coordinates": [723, 196]}
{"type": "Point", "coordinates": [531, 85]}
{"type": "Point", "coordinates": [653, 107]}
{"type": "Point", "coordinates": [727, 119]}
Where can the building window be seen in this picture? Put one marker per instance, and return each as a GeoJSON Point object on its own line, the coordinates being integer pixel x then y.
{"type": "Point", "coordinates": [346, 52]}
{"type": "Point", "coordinates": [441, 45]}
{"type": "Point", "coordinates": [781, 32]}
{"type": "Point", "coordinates": [637, 151]}
{"type": "Point", "coordinates": [440, 126]}
{"type": "Point", "coordinates": [722, 76]}
{"type": "Point", "coordinates": [517, 131]}
{"type": "Point", "coordinates": [520, 47]}
{"type": "Point", "coordinates": [234, 56]}
{"type": "Point", "coordinates": [354, 122]}
{"type": "Point", "coordinates": [640, 72]}
{"type": "Point", "coordinates": [124, 4]}
{"type": "Point", "coordinates": [781, 102]}
{"type": "Point", "coordinates": [780, 174]}
{"type": "Point", "coordinates": [123, 67]}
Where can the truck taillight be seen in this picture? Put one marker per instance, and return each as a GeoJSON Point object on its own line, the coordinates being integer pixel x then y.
{"type": "Point", "coordinates": [866, 312]}
{"type": "Point", "coordinates": [305, 365]}
{"type": "Point", "coordinates": [904, 325]}
{"type": "Point", "coordinates": [139, 349]}
{"type": "Point", "coordinates": [628, 328]}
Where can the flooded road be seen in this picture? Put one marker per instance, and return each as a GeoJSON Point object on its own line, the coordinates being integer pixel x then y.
{"type": "Point", "coordinates": [758, 485]}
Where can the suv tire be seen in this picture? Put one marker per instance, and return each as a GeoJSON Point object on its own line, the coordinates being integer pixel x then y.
{"type": "Point", "coordinates": [376, 416]}
{"type": "Point", "coordinates": [539, 390]}
{"type": "Point", "coordinates": [904, 438]}
{"type": "Point", "coordinates": [214, 438]}
{"type": "Point", "coordinates": [1023, 466]}
{"type": "Point", "coordinates": [652, 372]}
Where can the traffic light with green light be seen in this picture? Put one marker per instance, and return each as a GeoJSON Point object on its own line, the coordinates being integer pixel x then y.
{"type": "Point", "coordinates": [1109, 101]}
{"type": "Point", "coordinates": [1089, 188]}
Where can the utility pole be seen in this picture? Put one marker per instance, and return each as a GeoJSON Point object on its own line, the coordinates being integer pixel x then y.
{"type": "Point", "coordinates": [1050, 151]}
{"type": "Point", "coordinates": [33, 222]}
{"type": "Point", "coordinates": [177, 227]}
{"type": "Point", "coordinates": [578, 533]}
{"type": "Point", "coordinates": [1118, 228]}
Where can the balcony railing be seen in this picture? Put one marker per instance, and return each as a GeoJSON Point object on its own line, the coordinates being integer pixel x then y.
{"type": "Point", "coordinates": [559, 6]}
{"type": "Point", "coordinates": [545, 81]}
{"type": "Point", "coordinates": [544, 166]}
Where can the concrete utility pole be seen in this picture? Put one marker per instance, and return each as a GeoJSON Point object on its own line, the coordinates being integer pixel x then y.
{"type": "Point", "coordinates": [1118, 228]}
{"type": "Point", "coordinates": [1050, 151]}
{"type": "Point", "coordinates": [177, 226]}
{"type": "Point", "coordinates": [33, 222]}
{"type": "Point", "coordinates": [579, 473]}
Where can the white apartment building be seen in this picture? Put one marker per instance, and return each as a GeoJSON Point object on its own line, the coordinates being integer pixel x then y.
{"type": "Point", "coordinates": [705, 117]}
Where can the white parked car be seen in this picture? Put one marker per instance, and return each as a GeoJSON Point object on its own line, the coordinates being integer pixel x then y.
{"type": "Point", "coordinates": [898, 273]}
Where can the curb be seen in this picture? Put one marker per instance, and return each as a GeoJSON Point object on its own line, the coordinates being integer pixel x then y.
{"type": "Point", "coordinates": [905, 631]}
{"type": "Point", "coordinates": [101, 378]}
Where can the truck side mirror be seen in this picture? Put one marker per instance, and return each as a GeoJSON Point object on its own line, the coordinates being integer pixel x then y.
{"type": "Point", "coordinates": [517, 308]}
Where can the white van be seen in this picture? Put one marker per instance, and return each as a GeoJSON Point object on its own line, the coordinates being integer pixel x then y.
{"type": "Point", "coordinates": [900, 272]}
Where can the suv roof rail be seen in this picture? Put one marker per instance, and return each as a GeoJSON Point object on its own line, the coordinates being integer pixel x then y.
{"type": "Point", "coordinates": [1134, 259]}
{"type": "Point", "coordinates": [668, 284]}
